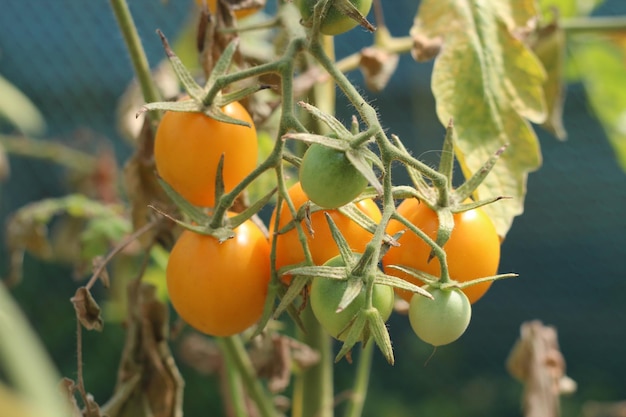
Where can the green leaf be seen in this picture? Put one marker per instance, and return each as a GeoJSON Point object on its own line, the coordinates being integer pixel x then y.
{"type": "Point", "coordinates": [19, 110]}
{"type": "Point", "coordinates": [601, 68]}
{"type": "Point", "coordinates": [490, 84]}
{"type": "Point", "coordinates": [568, 8]}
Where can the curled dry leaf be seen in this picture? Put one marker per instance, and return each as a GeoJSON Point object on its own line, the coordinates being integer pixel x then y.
{"type": "Point", "coordinates": [377, 66]}
{"type": "Point", "coordinates": [537, 362]}
{"type": "Point", "coordinates": [87, 310]}
{"type": "Point", "coordinates": [148, 382]}
{"type": "Point", "coordinates": [200, 353]}
{"type": "Point", "coordinates": [67, 387]}
{"type": "Point", "coordinates": [143, 190]}
{"type": "Point", "coordinates": [425, 48]}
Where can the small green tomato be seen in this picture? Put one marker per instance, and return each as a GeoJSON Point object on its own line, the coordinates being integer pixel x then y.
{"type": "Point", "coordinates": [326, 293]}
{"type": "Point", "coordinates": [442, 320]}
{"type": "Point", "coordinates": [328, 178]}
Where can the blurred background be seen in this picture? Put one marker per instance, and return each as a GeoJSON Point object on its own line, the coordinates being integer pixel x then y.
{"type": "Point", "coordinates": [569, 247]}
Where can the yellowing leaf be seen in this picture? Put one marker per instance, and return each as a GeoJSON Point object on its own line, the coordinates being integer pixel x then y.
{"type": "Point", "coordinates": [490, 84]}
{"type": "Point", "coordinates": [602, 70]}
{"type": "Point", "coordinates": [549, 47]}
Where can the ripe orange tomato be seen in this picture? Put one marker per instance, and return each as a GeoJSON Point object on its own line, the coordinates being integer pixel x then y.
{"type": "Point", "coordinates": [321, 244]}
{"type": "Point", "coordinates": [188, 147]}
{"type": "Point", "coordinates": [239, 14]}
{"type": "Point", "coordinates": [473, 250]}
{"type": "Point", "coordinates": [220, 288]}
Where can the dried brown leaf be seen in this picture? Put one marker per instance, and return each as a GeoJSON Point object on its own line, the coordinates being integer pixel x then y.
{"type": "Point", "coordinates": [149, 383]}
{"type": "Point", "coordinates": [377, 66]}
{"type": "Point", "coordinates": [87, 310]}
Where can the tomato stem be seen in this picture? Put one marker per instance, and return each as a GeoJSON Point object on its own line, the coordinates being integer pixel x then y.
{"type": "Point", "coordinates": [314, 385]}
{"type": "Point", "coordinates": [358, 394]}
{"type": "Point", "coordinates": [137, 54]}
{"type": "Point", "coordinates": [233, 347]}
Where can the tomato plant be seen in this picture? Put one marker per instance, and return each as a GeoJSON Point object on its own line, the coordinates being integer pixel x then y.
{"type": "Point", "coordinates": [334, 22]}
{"type": "Point", "coordinates": [188, 147]}
{"type": "Point", "coordinates": [326, 293]}
{"type": "Point", "coordinates": [239, 14]}
{"type": "Point", "coordinates": [219, 288]}
{"type": "Point", "coordinates": [441, 320]}
{"type": "Point", "coordinates": [321, 244]}
{"type": "Point", "coordinates": [328, 178]}
{"type": "Point", "coordinates": [473, 250]}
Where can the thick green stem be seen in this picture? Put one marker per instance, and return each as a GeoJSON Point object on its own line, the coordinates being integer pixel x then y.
{"type": "Point", "coordinates": [237, 353]}
{"type": "Point", "coordinates": [233, 381]}
{"type": "Point", "coordinates": [314, 385]}
{"type": "Point", "coordinates": [137, 54]}
{"type": "Point", "coordinates": [361, 382]}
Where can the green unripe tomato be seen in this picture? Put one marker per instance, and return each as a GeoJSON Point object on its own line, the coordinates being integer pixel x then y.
{"type": "Point", "coordinates": [328, 178]}
{"type": "Point", "coordinates": [326, 293]}
{"type": "Point", "coordinates": [334, 22]}
{"type": "Point", "coordinates": [442, 320]}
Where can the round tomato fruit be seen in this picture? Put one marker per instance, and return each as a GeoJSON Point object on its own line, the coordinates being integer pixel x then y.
{"type": "Point", "coordinates": [239, 14]}
{"type": "Point", "coordinates": [328, 178]}
{"type": "Point", "coordinates": [188, 147]}
{"type": "Point", "coordinates": [441, 320]}
{"type": "Point", "coordinates": [321, 243]}
{"type": "Point", "coordinates": [326, 293]}
{"type": "Point", "coordinates": [334, 22]}
{"type": "Point", "coordinates": [473, 250]}
{"type": "Point", "coordinates": [219, 288]}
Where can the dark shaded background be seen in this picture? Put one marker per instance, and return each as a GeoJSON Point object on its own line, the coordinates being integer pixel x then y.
{"type": "Point", "coordinates": [569, 247]}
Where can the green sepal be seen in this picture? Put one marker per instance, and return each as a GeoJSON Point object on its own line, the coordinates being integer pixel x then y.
{"type": "Point", "coordinates": [335, 125]}
{"type": "Point", "coordinates": [182, 73]}
{"type": "Point", "coordinates": [379, 331]}
{"type": "Point", "coordinates": [357, 159]}
{"type": "Point", "coordinates": [331, 272]}
{"type": "Point", "coordinates": [352, 291]}
{"type": "Point", "coordinates": [446, 163]}
{"type": "Point", "coordinates": [344, 248]}
{"type": "Point", "coordinates": [333, 143]}
{"type": "Point", "coordinates": [346, 8]}
{"type": "Point", "coordinates": [467, 189]}
{"type": "Point", "coordinates": [355, 333]}
{"type": "Point", "coordinates": [221, 68]}
{"type": "Point", "coordinates": [294, 290]}
{"type": "Point", "coordinates": [421, 275]}
{"type": "Point", "coordinates": [399, 283]}
{"type": "Point", "coordinates": [252, 210]}
{"type": "Point", "coordinates": [194, 213]}
{"type": "Point", "coordinates": [219, 179]}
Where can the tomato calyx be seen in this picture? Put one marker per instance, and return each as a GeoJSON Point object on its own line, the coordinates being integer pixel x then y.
{"type": "Point", "coordinates": [352, 144]}
{"type": "Point", "coordinates": [209, 99]}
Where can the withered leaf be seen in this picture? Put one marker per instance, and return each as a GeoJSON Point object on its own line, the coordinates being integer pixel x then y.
{"type": "Point", "coordinates": [377, 66]}
{"type": "Point", "coordinates": [87, 310]}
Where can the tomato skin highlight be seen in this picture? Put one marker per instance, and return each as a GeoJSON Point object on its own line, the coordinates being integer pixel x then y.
{"type": "Point", "coordinates": [188, 147]}
{"type": "Point", "coordinates": [326, 293]}
{"type": "Point", "coordinates": [334, 22]}
{"type": "Point", "coordinates": [321, 244]}
{"type": "Point", "coordinates": [443, 319]}
{"type": "Point", "coordinates": [473, 250]}
{"type": "Point", "coordinates": [220, 288]}
{"type": "Point", "coordinates": [328, 177]}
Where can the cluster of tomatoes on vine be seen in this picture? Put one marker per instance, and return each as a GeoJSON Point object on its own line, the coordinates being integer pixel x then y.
{"type": "Point", "coordinates": [223, 264]}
